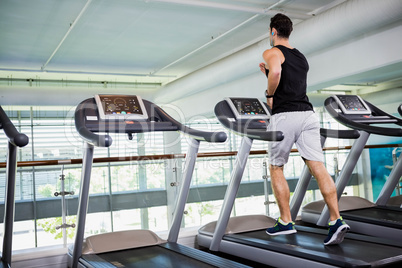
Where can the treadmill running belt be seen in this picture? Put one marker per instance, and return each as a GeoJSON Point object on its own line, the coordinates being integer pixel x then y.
{"type": "Point", "coordinates": [154, 256]}
{"type": "Point", "coordinates": [167, 255]}
{"type": "Point", "coordinates": [390, 217]}
{"type": "Point", "coordinates": [309, 245]}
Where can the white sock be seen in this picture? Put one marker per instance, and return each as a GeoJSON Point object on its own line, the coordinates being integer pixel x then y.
{"type": "Point", "coordinates": [282, 222]}
{"type": "Point", "coordinates": [332, 222]}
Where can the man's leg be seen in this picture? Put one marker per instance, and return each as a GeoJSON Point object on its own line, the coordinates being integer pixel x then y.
{"type": "Point", "coordinates": [337, 227]}
{"type": "Point", "coordinates": [281, 191]}
{"type": "Point", "coordinates": [327, 187]}
{"type": "Point", "coordinates": [284, 225]}
{"type": "Point", "coordinates": [278, 153]}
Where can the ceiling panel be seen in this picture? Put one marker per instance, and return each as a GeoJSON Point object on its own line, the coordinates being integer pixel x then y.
{"type": "Point", "coordinates": [139, 38]}
{"type": "Point", "coordinates": [309, 6]}
{"type": "Point", "coordinates": [30, 30]}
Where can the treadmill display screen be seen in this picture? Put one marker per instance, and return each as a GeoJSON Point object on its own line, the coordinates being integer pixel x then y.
{"type": "Point", "coordinates": [244, 108]}
{"type": "Point", "coordinates": [352, 104]}
{"type": "Point", "coordinates": [123, 107]}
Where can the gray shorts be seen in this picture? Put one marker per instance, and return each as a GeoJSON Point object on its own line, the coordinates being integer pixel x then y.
{"type": "Point", "coordinates": [300, 128]}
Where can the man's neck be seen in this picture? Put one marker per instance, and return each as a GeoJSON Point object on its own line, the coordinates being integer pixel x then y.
{"type": "Point", "coordinates": [283, 42]}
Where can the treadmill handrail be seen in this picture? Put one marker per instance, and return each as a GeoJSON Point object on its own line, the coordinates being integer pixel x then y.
{"type": "Point", "coordinates": [14, 137]}
{"type": "Point", "coordinates": [241, 129]}
{"type": "Point", "coordinates": [340, 134]}
{"type": "Point", "coordinates": [331, 106]}
{"type": "Point", "coordinates": [104, 140]}
{"type": "Point", "coordinates": [90, 137]}
{"type": "Point", "coordinates": [217, 136]}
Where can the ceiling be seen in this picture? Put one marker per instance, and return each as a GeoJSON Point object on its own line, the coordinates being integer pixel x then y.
{"type": "Point", "coordinates": [47, 46]}
{"type": "Point", "coordinates": [160, 40]}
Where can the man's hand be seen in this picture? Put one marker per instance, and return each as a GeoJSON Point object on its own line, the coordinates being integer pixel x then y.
{"type": "Point", "coordinates": [262, 67]}
{"type": "Point", "coordinates": [270, 103]}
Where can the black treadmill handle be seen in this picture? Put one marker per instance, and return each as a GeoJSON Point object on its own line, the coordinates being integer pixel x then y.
{"type": "Point", "coordinates": [217, 136]}
{"type": "Point", "coordinates": [332, 107]}
{"type": "Point", "coordinates": [263, 134]}
{"type": "Point", "coordinates": [90, 137]}
{"type": "Point", "coordinates": [16, 138]}
{"type": "Point", "coordinates": [226, 118]}
{"type": "Point", "coordinates": [253, 133]}
{"type": "Point", "coordinates": [340, 134]}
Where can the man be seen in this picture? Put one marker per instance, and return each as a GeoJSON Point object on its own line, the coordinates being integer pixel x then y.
{"type": "Point", "coordinates": [292, 113]}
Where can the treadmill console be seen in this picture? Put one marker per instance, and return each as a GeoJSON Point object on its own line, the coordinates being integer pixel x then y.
{"type": "Point", "coordinates": [352, 104]}
{"type": "Point", "coordinates": [353, 110]}
{"type": "Point", "coordinates": [121, 107]}
{"type": "Point", "coordinates": [248, 108]}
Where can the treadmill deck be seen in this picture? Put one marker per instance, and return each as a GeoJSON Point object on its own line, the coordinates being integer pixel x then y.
{"type": "Point", "coordinates": [384, 216]}
{"type": "Point", "coordinates": [167, 255]}
{"type": "Point", "coordinates": [307, 243]}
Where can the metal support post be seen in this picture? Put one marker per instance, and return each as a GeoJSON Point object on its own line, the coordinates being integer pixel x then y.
{"type": "Point", "coordinates": [63, 194]}
{"type": "Point", "coordinates": [231, 192]}
{"type": "Point", "coordinates": [83, 202]}
{"type": "Point", "coordinates": [191, 157]}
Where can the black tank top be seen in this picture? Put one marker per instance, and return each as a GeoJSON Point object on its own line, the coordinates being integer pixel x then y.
{"type": "Point", "coordinates": [290, 95]}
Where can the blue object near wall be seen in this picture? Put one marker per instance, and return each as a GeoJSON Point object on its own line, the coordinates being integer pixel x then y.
{"type": "Point", "coordinates": [380, 161]}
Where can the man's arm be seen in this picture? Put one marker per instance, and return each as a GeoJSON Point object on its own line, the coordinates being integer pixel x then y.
{"type": "Point", "coordinates": [272, 57]}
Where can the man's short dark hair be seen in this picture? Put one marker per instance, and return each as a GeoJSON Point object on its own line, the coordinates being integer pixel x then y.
{"type": "Point", "coordinates": [282, 24]}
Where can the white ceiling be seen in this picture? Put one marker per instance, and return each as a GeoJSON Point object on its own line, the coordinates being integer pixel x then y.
{"type": "Point", "coordinates": [149, 45]}
{"type": "Point", "coordinates": [128, 37]}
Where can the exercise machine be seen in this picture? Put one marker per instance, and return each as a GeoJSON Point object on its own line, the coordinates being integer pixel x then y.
{"type": "Point", "coordinates": [245, 236]}
{"type": "Point", "coordinates": [396, 200]}
{"type": "Point", "coordinates": [128, 115]}
{"type": "Point", "coordinates": [363, 216]}
{"type": "Point", "coordinates": [15, 140]}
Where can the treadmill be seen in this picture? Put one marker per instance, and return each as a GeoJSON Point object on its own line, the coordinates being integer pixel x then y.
{"type": "Point", "coordinates": [363, 216]}
{"type": "Point", "coordinates": [245, 236]}
{"type": "Point", "coordinates": [396, 200]}
{"type": "Point", "coordinates": [124, 114]}
{"type": "Point", "coordinates": [15, 139]}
